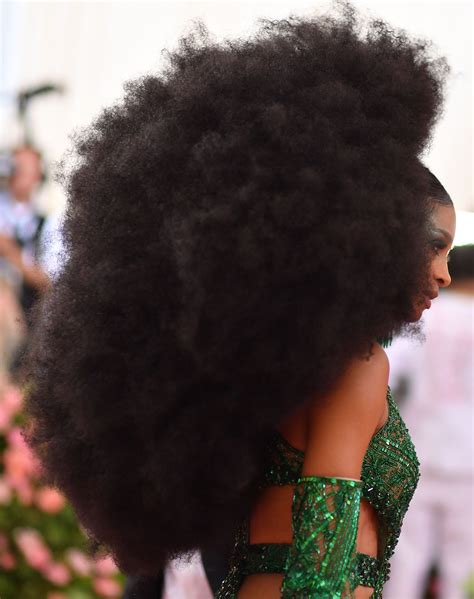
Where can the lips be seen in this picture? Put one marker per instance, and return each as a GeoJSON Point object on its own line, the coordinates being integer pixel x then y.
{"type": "Point", "coordinates": [429, 298]}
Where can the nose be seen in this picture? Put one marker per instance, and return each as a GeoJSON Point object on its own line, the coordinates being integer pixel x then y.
{"type": "Point", "coordinates": [442, 276]}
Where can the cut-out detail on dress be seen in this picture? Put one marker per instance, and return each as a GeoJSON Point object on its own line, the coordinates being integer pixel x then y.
{"type": "Point", "coordinates": [390, 472]}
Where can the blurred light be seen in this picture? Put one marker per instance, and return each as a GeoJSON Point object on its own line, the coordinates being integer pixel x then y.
{"type": "Point", "coordinates": [464, 227]}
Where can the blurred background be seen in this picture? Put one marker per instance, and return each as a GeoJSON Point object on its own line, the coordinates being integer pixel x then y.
{"type": "Point", "coordinates": [61, 63]}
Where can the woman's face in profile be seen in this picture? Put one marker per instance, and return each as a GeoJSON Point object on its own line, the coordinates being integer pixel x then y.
{"type": "Point", "coordinates": [442, 227]}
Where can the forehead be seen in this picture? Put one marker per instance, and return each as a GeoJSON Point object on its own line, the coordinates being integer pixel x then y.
{"type": "Point", "coordinates": [444, 217]}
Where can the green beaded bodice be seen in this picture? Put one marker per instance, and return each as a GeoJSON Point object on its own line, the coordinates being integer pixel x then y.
{"type": "Point", "coordinates": [390, 473]}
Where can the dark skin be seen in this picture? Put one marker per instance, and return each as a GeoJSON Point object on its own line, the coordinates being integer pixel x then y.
{"type": "Point", "coordinates": [347, 419]}
{"type": "Point", "coordinates": [442, 229]}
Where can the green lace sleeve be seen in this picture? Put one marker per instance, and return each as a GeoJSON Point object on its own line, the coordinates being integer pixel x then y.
{"type": "Point", "coordinates": [325, 520]}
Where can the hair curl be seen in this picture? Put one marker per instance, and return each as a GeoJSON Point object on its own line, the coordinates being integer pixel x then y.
{"type": "Point", "coordinates": [237, 228]}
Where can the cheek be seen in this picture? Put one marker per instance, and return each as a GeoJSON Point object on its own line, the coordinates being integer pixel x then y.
{"type": "Point", "coordinates": [440, 268]}
{"type": "Point", "coordinates": [436, 266]}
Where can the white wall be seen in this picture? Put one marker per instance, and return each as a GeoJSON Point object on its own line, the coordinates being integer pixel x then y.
{"type": "Point", "coordinates": [93, 47]}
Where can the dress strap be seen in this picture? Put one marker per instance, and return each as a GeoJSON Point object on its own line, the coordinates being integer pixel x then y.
{"type": "Point", "coordinates": [265, 558]}
{"type": "Point", "coordinates": [367, 570]}
{"type": "Point", "coordinates": [270, 558]}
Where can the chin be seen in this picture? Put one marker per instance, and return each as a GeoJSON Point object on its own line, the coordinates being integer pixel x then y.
{"type": "Point", "coordinates": [416, 314]}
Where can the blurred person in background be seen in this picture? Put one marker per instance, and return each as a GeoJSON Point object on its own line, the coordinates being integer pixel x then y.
{"type": "Point", "coordinates": [434, 384]}
{"type": "Point", "coordinates": [12, 328]}
{"type": "Point", "coordinates": [21, 224]}
{"type": "Point", "coordinates": [25, 255]}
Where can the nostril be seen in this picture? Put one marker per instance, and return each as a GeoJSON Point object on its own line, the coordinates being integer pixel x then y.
{"type": "Point", "coordinates": [444, 281]}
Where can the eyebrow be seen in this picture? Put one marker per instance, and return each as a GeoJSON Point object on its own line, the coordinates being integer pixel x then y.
{"type": "Point", "coordinates": [445, 234]}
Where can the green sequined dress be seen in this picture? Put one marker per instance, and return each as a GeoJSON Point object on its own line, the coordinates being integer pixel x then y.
{"type": "Point", "coordinates": [322, 561]}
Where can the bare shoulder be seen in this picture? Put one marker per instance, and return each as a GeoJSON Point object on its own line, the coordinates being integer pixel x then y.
{"type": "Point", "coordinates": [348, 417]}
{"type": "Point", "coordinates": [363, 373]}
{"type": "Point", "coordinates": [363, 383]}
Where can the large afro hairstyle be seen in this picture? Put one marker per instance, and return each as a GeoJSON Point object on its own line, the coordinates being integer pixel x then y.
{"type": "Point", "coordinates": [238, 228]}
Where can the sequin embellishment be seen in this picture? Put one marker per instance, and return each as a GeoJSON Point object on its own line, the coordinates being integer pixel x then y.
{"type": "Point", "coordinates": [390, 473]}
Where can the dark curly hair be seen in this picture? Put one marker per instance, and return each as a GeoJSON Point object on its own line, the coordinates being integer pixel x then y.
{"type": "Point", "coordinates": [238, 228]}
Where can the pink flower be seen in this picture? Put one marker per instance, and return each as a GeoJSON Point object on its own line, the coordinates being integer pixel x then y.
{"type": "Point", "coordinates": [33, 548]}
{"type": "Point", "coordinates": [17, 462]}
{"type": "Point", "coordinates": [57, 573]}
{"type": "Point", "coordinates": [107, 587]}
{"type": "Point", "coordinates": [15, 438]}
{"type": "Point", "coordinates": [10, 403]}
{"type": "Point", "coordinates": [79, 562]}
{"type": "Point", "coordinates": [5, 492]}
{"type": "Point", "coordinates": [5, 419]}
{"type": "Point", "coordinates": [18, 459]}
{"type": "Point", "coordinates": [12, 400]}
{"type": "Point", "coordinates": [23, 489]}
{"type": "Point", "coordinates": [7, 561]}
{"type": "Point", "coordinates": [49, 500]}
{"type": "Point", "coordinates": [105, 566]}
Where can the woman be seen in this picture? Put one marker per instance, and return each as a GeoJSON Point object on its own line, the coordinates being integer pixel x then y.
{"type": "Point", "coordinates": [347, 504]}
{"type": "Point", "coordinates": [240, 230]}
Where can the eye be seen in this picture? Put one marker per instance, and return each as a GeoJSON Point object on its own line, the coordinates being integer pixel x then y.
{"type": "Point", "coordinates": [437, 246]}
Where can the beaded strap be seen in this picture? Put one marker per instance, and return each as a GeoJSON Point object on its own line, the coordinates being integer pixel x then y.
{"type": "Point", "coordinates": [367, 569]}
{"type": "Point", "coordinates": [325, 519]}
{"type": "Point", "coordinates": [265, 558]}
{"type": "Point", "coordinates": [271, 558]}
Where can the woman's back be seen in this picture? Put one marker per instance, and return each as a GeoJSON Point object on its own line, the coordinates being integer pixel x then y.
{"type": "Point", "coordinates": [320, 441]}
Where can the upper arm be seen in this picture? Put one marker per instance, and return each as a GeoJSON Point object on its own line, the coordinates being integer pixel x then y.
{"type": "Point", "coordinates": [342, 423]}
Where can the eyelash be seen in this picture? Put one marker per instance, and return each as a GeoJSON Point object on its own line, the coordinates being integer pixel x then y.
{"type": "Point", "coordinates": [437, 246]}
